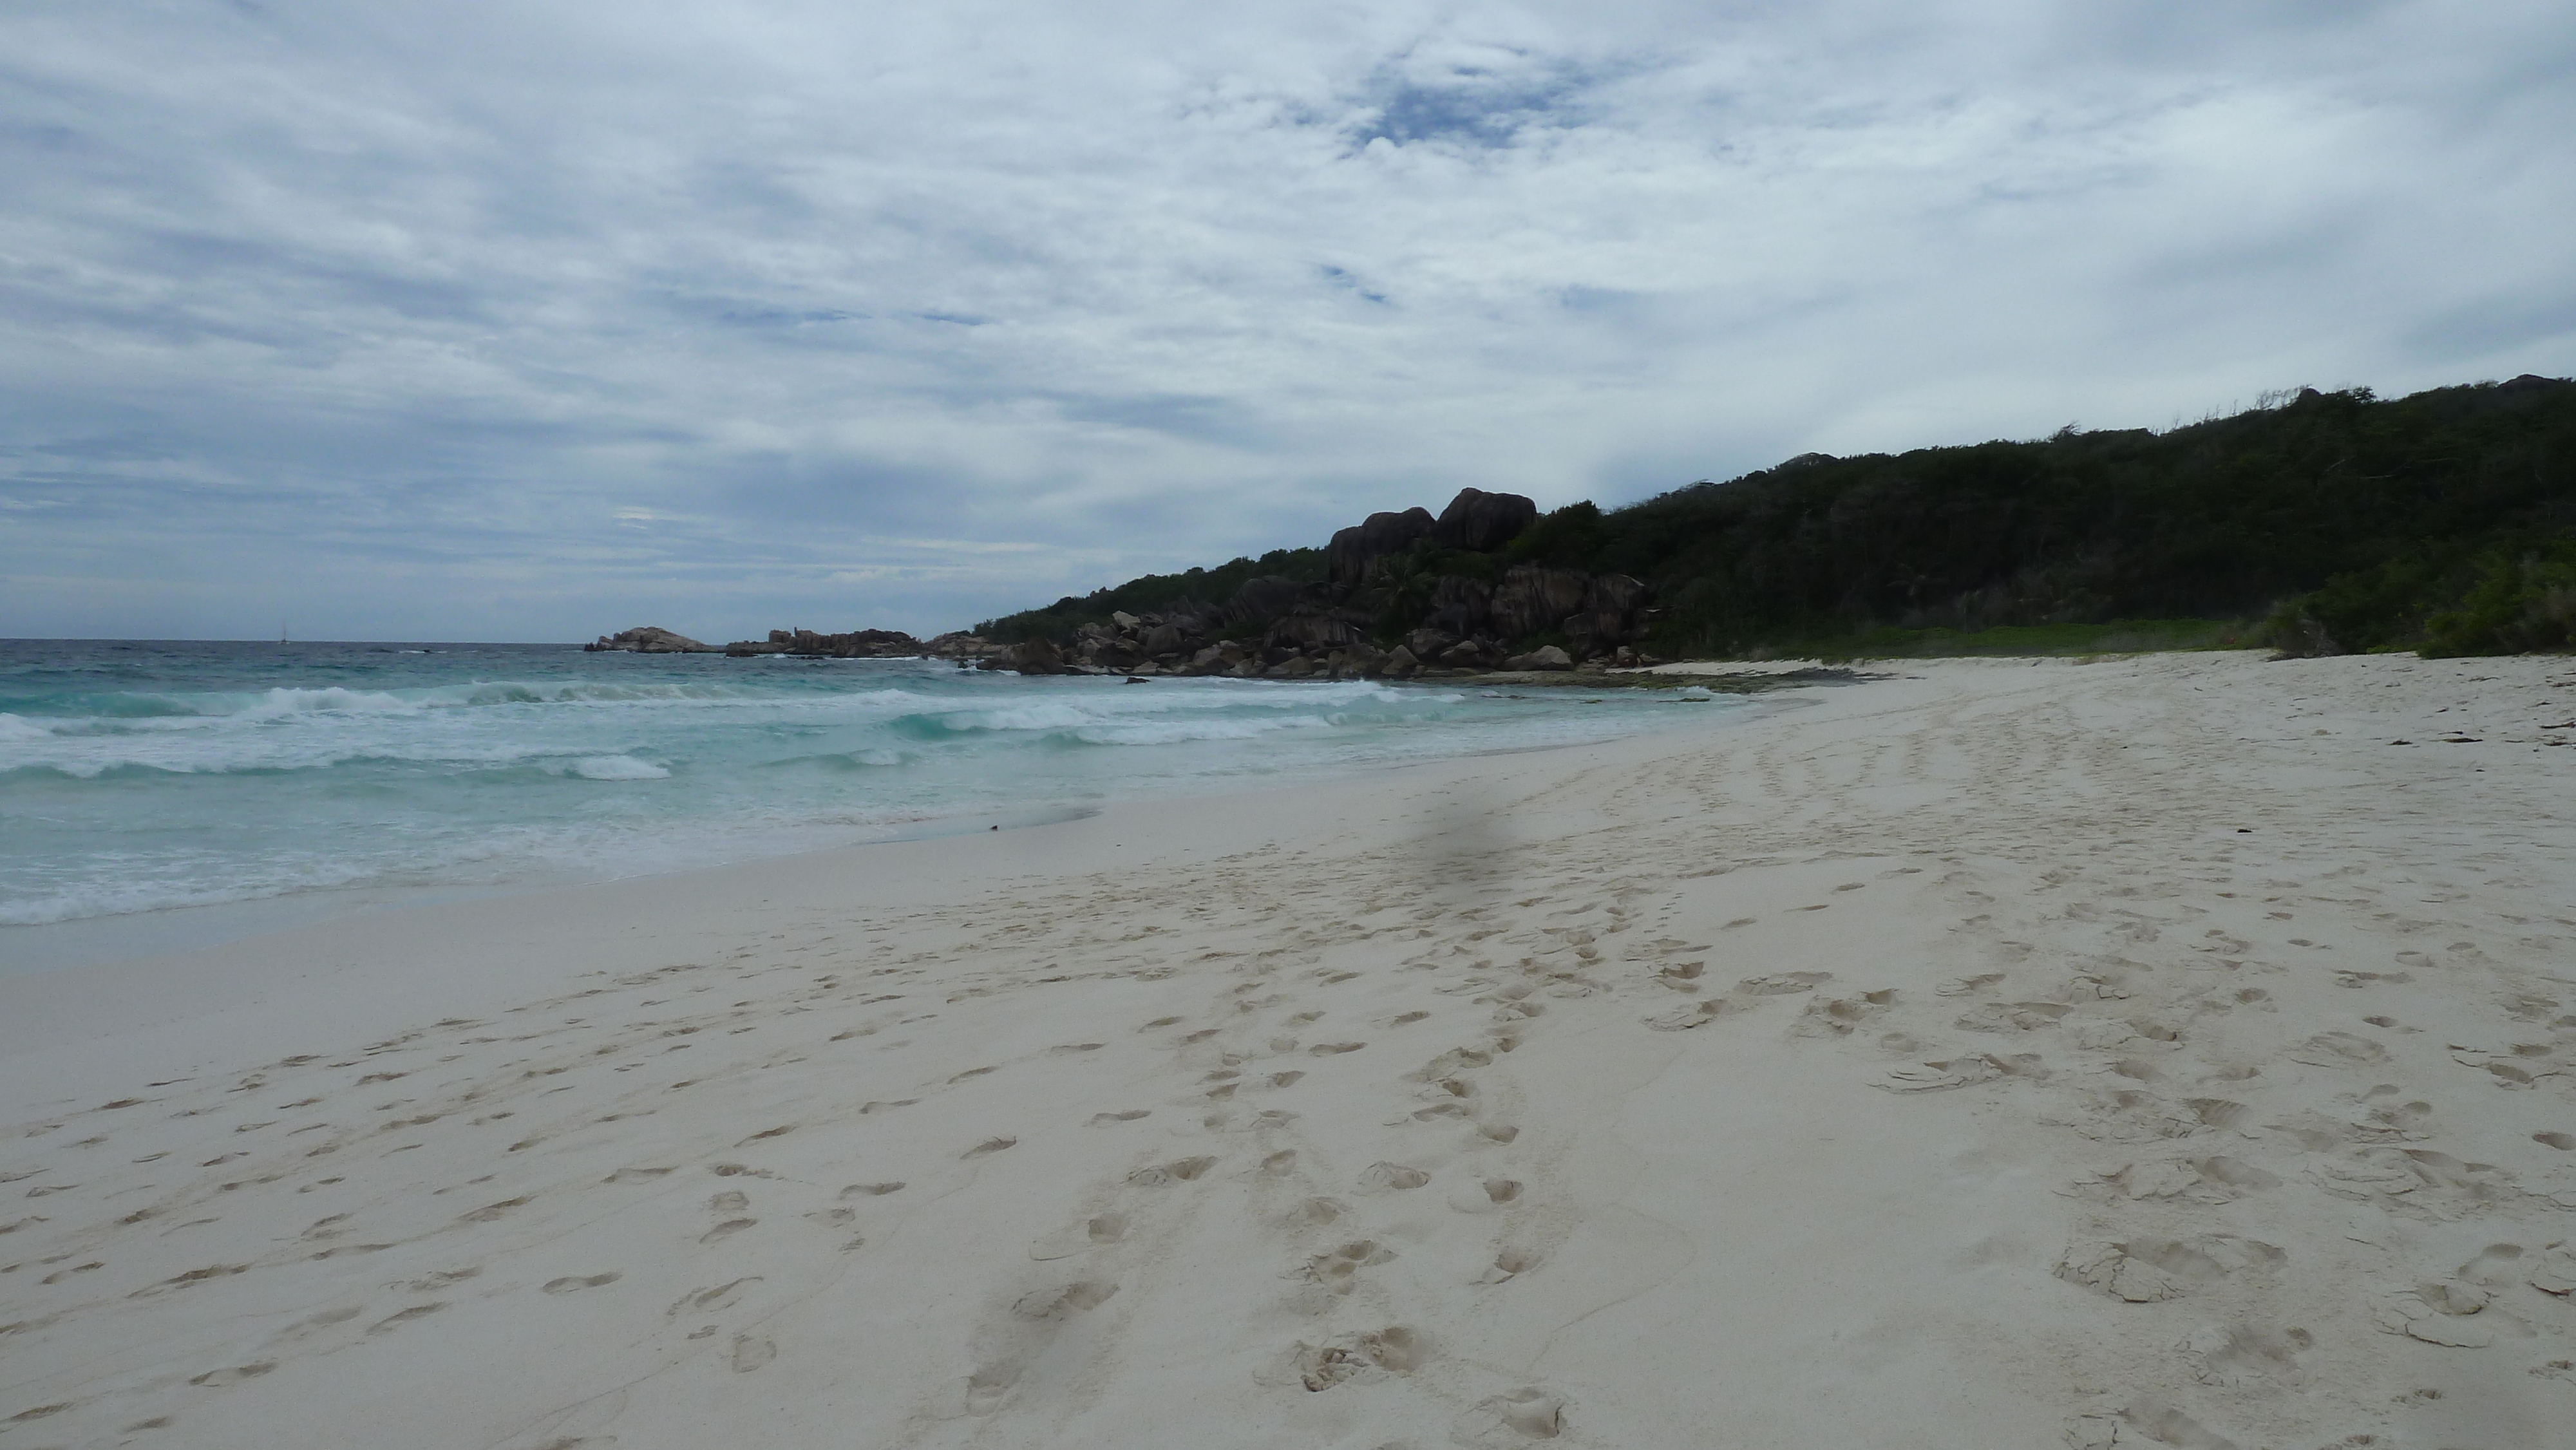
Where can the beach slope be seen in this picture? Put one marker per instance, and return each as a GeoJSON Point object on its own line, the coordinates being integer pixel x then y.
{"type": "Point", "coordinates": [1983, 1054]}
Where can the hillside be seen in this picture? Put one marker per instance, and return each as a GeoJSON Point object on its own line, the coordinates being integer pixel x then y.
{"type": "Point", "coordinates": [2335, 522]}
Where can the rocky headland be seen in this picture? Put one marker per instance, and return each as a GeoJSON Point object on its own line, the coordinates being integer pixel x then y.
{"type": "Point", "coordinates": [1404, 595]}
{"type": "Point", "coordinates": [1475, 611]}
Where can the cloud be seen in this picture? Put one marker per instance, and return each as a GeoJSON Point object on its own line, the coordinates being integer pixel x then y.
{"type": "Point", "coordinates": [514, 321]}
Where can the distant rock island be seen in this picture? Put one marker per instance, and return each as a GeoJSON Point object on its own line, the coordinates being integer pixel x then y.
{"type": "Point", "coordinates": [862, 644]}
{"type": "Point", "coordinates": [857, 644]}
{"type": "Point", "coordinates": [650, 640]}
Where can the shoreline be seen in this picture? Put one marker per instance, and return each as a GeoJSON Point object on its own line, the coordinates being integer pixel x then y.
{"type": "Point", "coordinates": [88, 941]}
{"type": "Point", "coordinates": [2148, 1051]}
{"type": "Point", "coordinates": [91, 940]}
{"type": "Point", "coordinates": [907, 870]}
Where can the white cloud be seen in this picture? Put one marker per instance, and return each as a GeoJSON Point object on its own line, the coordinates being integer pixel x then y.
{"type": "Point", "coordinates": [513, 321]}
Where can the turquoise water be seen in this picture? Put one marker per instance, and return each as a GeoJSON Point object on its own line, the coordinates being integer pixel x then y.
{"type": "Point", "coordinates": [141, 776]}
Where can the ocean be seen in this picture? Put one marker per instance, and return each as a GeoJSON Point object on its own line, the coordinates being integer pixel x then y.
{"type": "Point", "coordinates": [140, 779]}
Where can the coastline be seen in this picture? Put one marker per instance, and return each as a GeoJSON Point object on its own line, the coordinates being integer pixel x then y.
{"type": "Point", "coordinates": [409, 948]}
{"type": "Point", "coordinates": [447, 857]}
{"type": "Point", "coordinates": [2058, 1053]}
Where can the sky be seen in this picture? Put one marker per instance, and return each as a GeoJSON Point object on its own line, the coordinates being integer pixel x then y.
{"type": "Point", "coordinates": [541, 319]}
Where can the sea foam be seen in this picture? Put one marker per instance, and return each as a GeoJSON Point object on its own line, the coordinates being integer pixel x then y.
{"type": "Point", "coordinates": [134, 777]}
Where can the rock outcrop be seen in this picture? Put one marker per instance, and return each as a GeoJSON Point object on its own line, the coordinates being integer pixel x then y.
{"type": "Point", "coordinates": [858, 644]}
{"type": "Point", "coordinates": [650, 640]}
{"type": "Point", "coordinates": [1029, 657]}
{"type": "Point", "coordinates": [1401, 601]}
{"type": "Point", "coordinates": [1545, 657]}
{"type": "Point", "coordinates": [1481, 521]}
{"type": "Point", "coordinates": [960, 646]}
{"type": "Point", "coordinates": [1532, 599]}
{"type": "Point", "coordinates": [1381, 578]}
{"type": "Point", "coordinates": [1347, 556]}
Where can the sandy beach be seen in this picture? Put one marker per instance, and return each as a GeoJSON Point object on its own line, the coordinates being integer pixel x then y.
{"type": "Point", "coordinates": [2177, 1050]}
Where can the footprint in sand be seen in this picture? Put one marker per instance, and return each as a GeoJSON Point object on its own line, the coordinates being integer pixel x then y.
{"type": "Point", "coordinates": [1933, 1077]}
{"type": "Point", "coordinates": [2210, 1180]}
{"type": "Point", "coordinates": [1102, 1120]}
{"type": "Point", "coordinates": [574, 1284]}
{"type": "Point", "coordinates": [2147, 1270]}
{"type": "Point", "coordinates": [1385, 1177]}
{"type": "Point", "coordinates": [1840, 1016]}
{"type": "Point", "coordinates": [1485, 1197]}
{"type": "Point", "coordinates": [726, 1230]}
{"type": "Point", "coordinates": [2453, 1314]}
{"type": "Point", "coordinates": [1782, 983]}
{"type": "Point", "coordinates": [1005, 1350]}
{"type": "Point", "coordinates": [403, 1316]}
{"type": "Point", "coordinates": [1179, 1170]}
{"type": "Point", "coordinates": [1695, 1014]}
{"type": "Point", "coordinates": [1509, 1264]}
{"type": "Point", "coordinates": [314, 1324]}
{"type": "Point", "coordinates": [1369, 1356]}
{"type": "Point", "coordinates": [1098, 1232]}
{"type": "Point", "coordinates": [1338, 1270]}
{"type": "Point", "coordinates": [2553, 1270]}
{"type": "Point", "coordinates": [2337, 1049]}
{"type": "Point", "coordinates": [2013, 1017]}
{"type": "Point", "coordinates": [2239, 1355]}
{"type": "Point", "coordinates": [871, 1190]}
{"type": "Point", "coordinates": [1504, 1421]}
{"type": "Point", "coordinates": [235, 1374]}
{"type": "Point", "coordinates": [989, 1146]}
{"type": "Point", "coordinates": [700, 1301]}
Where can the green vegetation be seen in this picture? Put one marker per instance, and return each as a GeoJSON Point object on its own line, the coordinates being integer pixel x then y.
{"type": "Point", "coordinates": [1152, 592]}
{"type": "Point", "coordinates": [2504, 594]}
{"type": "Point", "coordinates": [2117, 637]}
{"type": "Point", "coordinates": [1568, 538]}
{"type": "Point", "coordinates": [2328, 522]}
{"type": "Point", "coordinates": [2349, 508]}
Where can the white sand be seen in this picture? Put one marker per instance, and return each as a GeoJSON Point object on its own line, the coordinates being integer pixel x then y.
{"type": "Point", "coordinates": [2141, 1052]}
